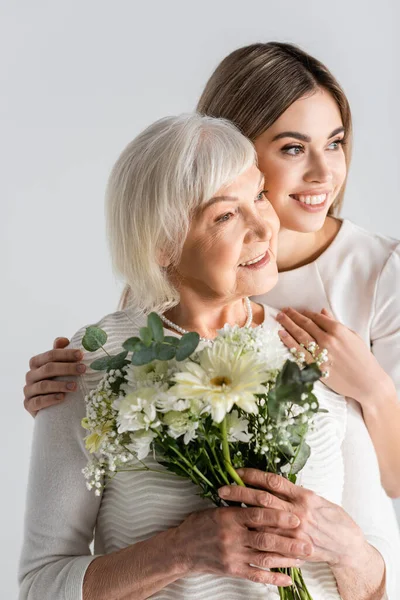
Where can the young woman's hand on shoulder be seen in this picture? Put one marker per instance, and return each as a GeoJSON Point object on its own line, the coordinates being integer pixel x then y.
{"type": "Point", "coordinates": [41, 390]}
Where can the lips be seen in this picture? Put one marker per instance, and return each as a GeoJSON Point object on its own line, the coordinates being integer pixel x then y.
{"type": "Point", "coordinates": [253, 260]}
{"type": "Point", "coordinates": [258, 262]}
{"type": "Point", "coordinates": [310, 199]}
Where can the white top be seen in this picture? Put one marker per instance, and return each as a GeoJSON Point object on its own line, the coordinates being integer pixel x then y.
{"type": "Point", "coordinates": [61, 513]}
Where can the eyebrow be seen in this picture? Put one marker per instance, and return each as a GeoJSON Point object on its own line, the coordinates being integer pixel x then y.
{"type": "Point", "coordinates": [225, 198]}
{"type": "Point", "coordinates": [305, 138]}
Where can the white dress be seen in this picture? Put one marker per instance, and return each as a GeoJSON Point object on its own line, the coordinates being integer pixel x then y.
{"type": "Point", "coordinates": [61, 514]}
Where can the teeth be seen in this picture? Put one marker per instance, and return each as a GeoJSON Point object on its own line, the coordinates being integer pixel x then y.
{"type": "Point", "coordinates": [252, 262]}
{"type": "Point", "coordinates": [313, 200]}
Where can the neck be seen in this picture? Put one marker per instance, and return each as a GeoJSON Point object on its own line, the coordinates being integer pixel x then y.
{"type": "Point", "coordinates": [296, 249]}
{"type": "Point", "coordinates": [206, 315]}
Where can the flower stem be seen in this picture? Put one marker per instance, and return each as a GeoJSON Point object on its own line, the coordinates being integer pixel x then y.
{"type": "Point", "coordinates": [227, 456]}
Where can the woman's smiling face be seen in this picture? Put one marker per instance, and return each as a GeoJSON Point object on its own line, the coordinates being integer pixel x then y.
{"type": "Point", "coordinates": [302, 158]}
{"type": "Point", "coordinates": [236, 226]}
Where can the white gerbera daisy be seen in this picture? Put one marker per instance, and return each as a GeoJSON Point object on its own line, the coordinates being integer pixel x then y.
{"type": "Point", "coordinates": [224, 377]}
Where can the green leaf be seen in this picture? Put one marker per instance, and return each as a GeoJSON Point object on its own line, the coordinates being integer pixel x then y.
{"type": "Point", "coordinates": [187, 345]}
{"type": "Point", "coordinates": [302, 456]}
{"type": "Point", "coordinates": [131, 344]}
{"type": "Point", "coordinates": [101, 364]}
{"type": "Point", "coordinates": [94, 338]}
{"type": "Point", "coordinates": [143, 356]}
{"type": "Point", "coordinates": [164, 351]}
{"type": "Point", "coordinates": [145, 335]}
{"type": "Point", "coordinates": [276, 409]}
{"type": "Point", "coordinates": [290, 373]}
{"type": "Point", "coordinates": [155, 325]}
{"type": "Point", "coordinates": [292, 477]}
{"type": "Point", "coordinates": [289, 392]}
{"type": "Point", "coordinates": [310, 373]}
{"type": "Point", "coordinates": [118, 361]}
{"type": "Point", "coordinates": [171, 339]}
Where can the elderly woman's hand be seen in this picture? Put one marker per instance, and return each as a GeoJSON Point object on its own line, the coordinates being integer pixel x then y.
{"type": "Point", "coordinates": [335, 538]}
{"type": "Point", "coordinates": [227, 541]}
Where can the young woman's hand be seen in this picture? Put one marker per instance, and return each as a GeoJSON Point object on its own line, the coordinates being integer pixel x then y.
{"type": "Point", "coordinates": [335, 538]}
{"type": "Point", "coordinates": [41, 390]}
{"type": "Point", "coordinates": [353, 369]}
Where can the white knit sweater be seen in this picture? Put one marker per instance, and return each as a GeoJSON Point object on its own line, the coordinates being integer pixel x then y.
{"type": "Point", "coordinates": [62, 514]}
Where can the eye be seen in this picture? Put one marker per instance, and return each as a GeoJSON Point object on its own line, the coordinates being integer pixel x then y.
{"type": "Point", "coordinates": [293, 150]}
{"type": "Point", "coordinates": [336, 144]}
{"type": "Point", "coordinates": [224, 218]}
{"type": "Point", "coordinates": [261, 195]}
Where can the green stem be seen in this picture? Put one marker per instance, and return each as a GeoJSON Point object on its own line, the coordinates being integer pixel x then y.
{"type": "Point", "coordinates": [220, 470]}
{"type": "Point", "coordinates": [227, 456]}
{"type": "Point", "coordinates": [191, 466]}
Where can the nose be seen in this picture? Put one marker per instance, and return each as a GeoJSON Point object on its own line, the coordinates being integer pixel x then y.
{"type": "Point", "coordinates": [260, 229]}
{"type": "Point", "coordinates": [318, 170]}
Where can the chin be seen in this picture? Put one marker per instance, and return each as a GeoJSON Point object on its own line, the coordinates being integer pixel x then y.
{"type": "Point", "coordinates": [265, 285]}
{"type": "Point", "coordinates": [308, 224]}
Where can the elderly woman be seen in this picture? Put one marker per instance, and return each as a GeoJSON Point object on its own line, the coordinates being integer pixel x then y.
{"type": "Point", "coordinates": [193, 233]}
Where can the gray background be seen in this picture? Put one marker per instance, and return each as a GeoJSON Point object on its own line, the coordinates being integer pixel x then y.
{"type": "Point", "coordinates": [78, 81]}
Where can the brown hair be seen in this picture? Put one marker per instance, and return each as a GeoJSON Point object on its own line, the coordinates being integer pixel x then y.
{"type": "Point", "coordinates": [254, 85]}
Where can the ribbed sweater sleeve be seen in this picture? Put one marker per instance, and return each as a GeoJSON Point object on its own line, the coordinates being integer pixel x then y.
{"type": "Point", "coordinates": [60, 511]}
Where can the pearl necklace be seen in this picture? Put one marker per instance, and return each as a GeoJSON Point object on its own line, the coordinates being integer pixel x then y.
{"type": "Point", "coordinates": [249, 320]}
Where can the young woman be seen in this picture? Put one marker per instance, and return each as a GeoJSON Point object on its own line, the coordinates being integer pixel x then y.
{"type": "Point", "coordinates": [299, 119]}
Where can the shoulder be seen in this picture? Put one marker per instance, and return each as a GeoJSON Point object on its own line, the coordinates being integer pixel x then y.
{"type": "Point", "coordinates": [118, 326]}
{"type": "Point", "coordinates": [358, 240]}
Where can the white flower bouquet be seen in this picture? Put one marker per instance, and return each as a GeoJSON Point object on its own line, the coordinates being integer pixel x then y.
{"type": "Point", "coordinates": [201, 412]}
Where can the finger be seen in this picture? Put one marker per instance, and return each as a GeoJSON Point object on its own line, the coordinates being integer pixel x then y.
{"type": "Point", "coordinates": [257, 575]}
{"type": "Point", "coordinates": [270, 542]}
{"type": "Point", "coordinates": [303, 329]}
{"type": "Point", "coordinates": [290, 343]}
{"type": "Point", "coordinates": [323, 321]}
{"type": "Point", "coordinates": [55, 355]}
{"type": "Point", "coordinates": [54, 369]}
{"type": "Point", "coordinates": [326, 312]}
{"type": "Point", "coordinates": [279, 486]}
{"type": "Point", "coordinates": [48, 386]}
{"type": "Point", "coordinates": [33, 405]}
{"type": "Point", "coordinates": [60, 342]}
{"type": "Point", "coordinates": [270, 560]}
{"type": "Point", "coordinates": [260, 498]}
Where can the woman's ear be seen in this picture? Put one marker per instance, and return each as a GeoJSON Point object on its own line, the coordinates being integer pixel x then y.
{"type": "Point", "coordinates": [163, 258]}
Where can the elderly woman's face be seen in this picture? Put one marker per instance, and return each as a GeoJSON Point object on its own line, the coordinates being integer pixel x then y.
{"type": "Point", "coordinates": [237, 226]}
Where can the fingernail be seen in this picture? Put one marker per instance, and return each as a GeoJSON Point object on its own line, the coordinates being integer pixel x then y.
{"type": "Point", "coordinates": [71, 385]}
{"type": "Point", "coordinates": [78, 354]}
{"type": "Point", "coordinates": [279, 316]}
{"type": "Point", "coordinates": [299, 562]}
{"type": "Point", "coordinates": [293, 520]}
{"type": "Point", "coordinates": [60, 396]}
{"type": "Point", "coordinates": [240, 472]}
{"type": "Point", "coordinates": [224, 491]}
{"type": "Point", "coordinates": [306, 549]}
{"type": "Point", "coordinates": [283, 333]}
{"type": "Point", "coordinates": [81, 368]}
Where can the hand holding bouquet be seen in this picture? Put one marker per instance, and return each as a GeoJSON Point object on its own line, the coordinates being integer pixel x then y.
{"type": "Point", "coordinates": [201, 412]}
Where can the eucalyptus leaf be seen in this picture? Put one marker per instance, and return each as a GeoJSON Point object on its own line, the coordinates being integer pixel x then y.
{"type": "Point", "coordinates": [290, 373]}
{"type": "Point", "coordinates": [146, 335]}
{"type": "Point", "coordinates": [143, 356]}
{"type": "Point", "coordinates": [310, 373]}
{"type": "Point", "coordinates": [94, 338]}
{"type": "Point", "coordinates": [164, 351]}
{"type": "Point", "coordinates": [131, 344]}
{"type": "Point", "coordinates": [155, 325]}
{"type": "Point", "coordinates": [101, 364]}
{"type": "Point", "coordinates": [187, 345]}
{"type": "Point", "coordinates": [171, 339]}
{"type": "Point", "coordinates": [118, 361]}
{"type": "Point", "coordinates": [302, 456]}
{"type": "Point", "coordinates": [276, 409]}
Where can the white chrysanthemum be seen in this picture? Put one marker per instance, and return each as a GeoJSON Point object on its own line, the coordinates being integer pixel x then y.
{"type": "Point", "coordinates": [137, 410]}
{"type": "Point", "coordinates": [223, 378]}
{"type": "Point", "coordinates": [270, 347]}
{"type": "Point", "coordinates": [181, 423]}
{"type": "Point", "coordinates": [141, 443]}
{"type": "Point", "coordinates": [237, 428]}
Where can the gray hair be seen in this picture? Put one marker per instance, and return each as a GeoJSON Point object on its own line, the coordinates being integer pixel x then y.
{"type": "Point", "coordinates": [155, 187]}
